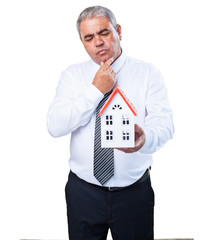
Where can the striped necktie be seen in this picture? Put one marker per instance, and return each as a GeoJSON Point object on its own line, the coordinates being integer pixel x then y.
{"type": "Point", "coordinates": [103, 157]}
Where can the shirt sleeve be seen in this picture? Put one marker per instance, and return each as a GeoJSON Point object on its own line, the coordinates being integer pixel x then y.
{"type": "Point", "coordinates": [158, 125]}
{"type": "Point", "coordinates": [71, 108]}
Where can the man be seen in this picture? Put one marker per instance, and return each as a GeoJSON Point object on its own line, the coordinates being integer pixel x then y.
{"type": "Point", "coordinates": [117, 196]}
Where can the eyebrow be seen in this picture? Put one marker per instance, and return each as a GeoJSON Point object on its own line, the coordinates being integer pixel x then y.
{"type": "Point", "coordinates": [88, 36]}
{"type": "Point", "coordinates": [103, 30]}
{"type": "Point", "coordinates": [100, 32]}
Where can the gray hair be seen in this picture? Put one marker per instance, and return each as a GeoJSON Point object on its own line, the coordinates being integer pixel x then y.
{"type": "Point", "coordinates": [96, 11]}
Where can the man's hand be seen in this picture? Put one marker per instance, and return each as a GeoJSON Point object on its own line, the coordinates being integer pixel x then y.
{"type": "Point", "coordinates": [105, 77]}
{"type": "Point", "coordinates": [140, 138]}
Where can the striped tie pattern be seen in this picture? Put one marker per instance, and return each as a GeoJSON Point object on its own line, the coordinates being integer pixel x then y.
{"type": "Point", "coordinates": [103, 157]}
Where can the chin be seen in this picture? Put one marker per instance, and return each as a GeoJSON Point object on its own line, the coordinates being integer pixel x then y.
{"type": "Point", "coordinates": [103, 59]}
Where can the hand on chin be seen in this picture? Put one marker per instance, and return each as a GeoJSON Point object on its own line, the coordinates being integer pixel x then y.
{"type": "Point", "coordinates": [104, 57]}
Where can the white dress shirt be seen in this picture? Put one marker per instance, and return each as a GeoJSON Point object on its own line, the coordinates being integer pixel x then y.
{"type": "Point", "coordinates": [73, 111]}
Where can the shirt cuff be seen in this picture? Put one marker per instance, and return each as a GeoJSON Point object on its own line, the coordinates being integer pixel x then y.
{"type": "Point", "coordinates": [93, 94]}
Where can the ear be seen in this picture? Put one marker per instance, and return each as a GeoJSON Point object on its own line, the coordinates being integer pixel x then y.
{"type": "Point", "coordinates": [119, 31]}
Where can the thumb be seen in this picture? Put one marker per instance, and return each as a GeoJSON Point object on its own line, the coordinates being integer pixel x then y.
{"type": "Point", "coordinates": [137, 128]}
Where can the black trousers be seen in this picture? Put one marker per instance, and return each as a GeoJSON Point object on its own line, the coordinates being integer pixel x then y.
{"type": "Point", "coordinates": [92, 210]}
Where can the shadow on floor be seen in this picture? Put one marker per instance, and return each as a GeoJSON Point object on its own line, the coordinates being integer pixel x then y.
{"type": "Point", "coordinates": [111, 239]}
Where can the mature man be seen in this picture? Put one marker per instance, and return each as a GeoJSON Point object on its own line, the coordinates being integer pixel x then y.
{"type": "Point", "coordinates": [109, 188]}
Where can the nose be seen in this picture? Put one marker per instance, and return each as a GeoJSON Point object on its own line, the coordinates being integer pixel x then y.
{"type": "Point", "coordinates": [98, 41]}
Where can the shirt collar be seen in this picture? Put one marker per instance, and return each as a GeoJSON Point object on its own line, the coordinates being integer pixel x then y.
{"type": "Point", "coordinates": [119, 62]}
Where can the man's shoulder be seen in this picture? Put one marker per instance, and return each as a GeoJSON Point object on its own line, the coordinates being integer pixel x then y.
{"type": "Point", "coordinates": [75, 67]}
{"type": "Point", "coordinates": [140, 63]}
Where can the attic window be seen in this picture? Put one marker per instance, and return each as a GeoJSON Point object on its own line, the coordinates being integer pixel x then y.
{"type": "Point", "coordinates": [109, 120]}
{"type": "Point", "coordinates": [116, 106]}
{"type": "Point", "coordinates": [126, 135]}
{"type": "Point", "coordinates": [125, 119]}
{"type": "Point", "coordinates": [109, 135]}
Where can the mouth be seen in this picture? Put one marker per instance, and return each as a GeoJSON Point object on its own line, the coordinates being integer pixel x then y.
{"type": "Point", "coordinates": [102, 51]}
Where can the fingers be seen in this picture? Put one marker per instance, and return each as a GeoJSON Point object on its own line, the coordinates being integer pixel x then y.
{"type": "Point", "coordinates": [108, 68]}
{"type": "Point", "coordinates": [139, 140]}
{"type": "Point", "coordinates": [107, 64]}
{"type": "Point", "coordinates": [113, 74]}
{"type": "Point", "coordinates": [126, 150]}
{"type": "Point", "coordinates": [105, 77]}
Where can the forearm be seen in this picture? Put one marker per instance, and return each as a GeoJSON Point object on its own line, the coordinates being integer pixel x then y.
{"type": "Point", "coordinates": [158, 123]}
{"type": "Point", "coordinates": [157, 131]}
{"type": "Point", "coordinates": [67, 114]}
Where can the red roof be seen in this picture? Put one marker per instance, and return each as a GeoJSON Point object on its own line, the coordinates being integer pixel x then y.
{"type": "Point", "coordinates": [119, 90]}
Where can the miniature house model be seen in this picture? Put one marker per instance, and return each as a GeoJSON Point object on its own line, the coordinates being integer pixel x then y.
{"type": "Point", "coordinates": [117, 121]}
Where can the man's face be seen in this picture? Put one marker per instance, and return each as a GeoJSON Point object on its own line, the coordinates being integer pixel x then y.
{"type": "Point", "coordinates": [100, 39]}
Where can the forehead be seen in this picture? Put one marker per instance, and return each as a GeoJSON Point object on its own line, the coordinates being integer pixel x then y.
{"type": "Point", "coordinates": [94, 25]}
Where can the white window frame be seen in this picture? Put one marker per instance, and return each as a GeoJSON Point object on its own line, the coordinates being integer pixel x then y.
{"type": "Point", "coordinates": [126, 135]}
{"type": "Point", "coordinates": [109, 120]}
{"type": "Point", "coordinates": [109, 135]}
{"type": "Point", "coordinates": [125, 119]}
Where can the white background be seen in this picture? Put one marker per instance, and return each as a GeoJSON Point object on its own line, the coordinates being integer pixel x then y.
{"type": "Point", "coordinates": [39, 40]}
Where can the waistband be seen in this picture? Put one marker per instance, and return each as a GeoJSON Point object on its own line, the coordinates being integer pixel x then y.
{"type": "Point", "coordinates": [145, 176]}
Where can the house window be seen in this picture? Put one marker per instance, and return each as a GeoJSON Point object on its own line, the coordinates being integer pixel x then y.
{"type": "Point", "coordinates": [126, 135]}
{"type": "Point", "coordinates": [125, 119]}
{"type": "Point", "coordinates": [109, 120]}
{"type": "Point", "coordinates": [109, 135]}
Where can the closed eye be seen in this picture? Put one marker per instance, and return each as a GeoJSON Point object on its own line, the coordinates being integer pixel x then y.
{"type": "Point", "coordinates": [88, 37]}
{"type": "Point", "coordinates": [104, 32]}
